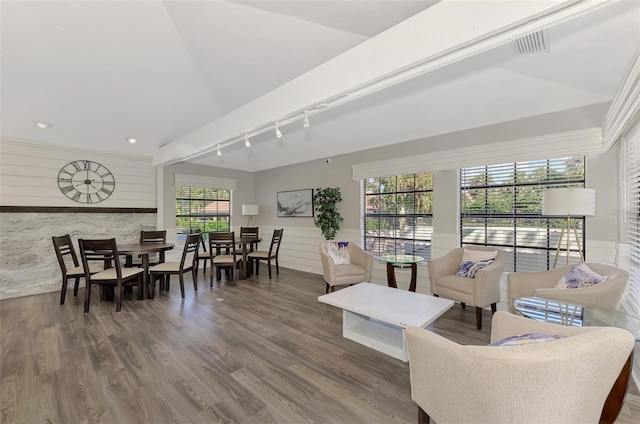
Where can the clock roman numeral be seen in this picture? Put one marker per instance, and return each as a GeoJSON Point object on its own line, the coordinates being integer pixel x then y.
{"type": "Point", "coordinates": [64, 180]}
{"type": "Point", "coordinates": [108, 183]}
{"type": "Point", "coordinates": [106, 174]}
{"type": "Point", "coordinates": [89, 200]}
{"type": "Point", "coordinates": [76, 196]}
{"type": "Point", "coordinates": [67, 189]}
{"type": "Point", "coordinates": [106, 191]}
{"type": "Point", "coordinates": [86, 165]}
{"type": "Point", "coordinates": [76, 166]}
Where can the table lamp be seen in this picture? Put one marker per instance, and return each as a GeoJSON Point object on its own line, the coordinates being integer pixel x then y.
{"type": "Point", "coordinates": [569, 202]}
{"type": "Point", "coordinates": [250, 211]}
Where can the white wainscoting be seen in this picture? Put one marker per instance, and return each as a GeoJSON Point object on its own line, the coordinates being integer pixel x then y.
{"type": "Point", "coordinates": [29, 175]}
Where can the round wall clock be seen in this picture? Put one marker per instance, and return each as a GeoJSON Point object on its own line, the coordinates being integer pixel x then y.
{"type": "Point", "coordinates": [85, 181]}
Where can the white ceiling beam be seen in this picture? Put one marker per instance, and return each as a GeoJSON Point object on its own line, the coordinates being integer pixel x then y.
{"type": "Point", "coordinates": [447, 32]}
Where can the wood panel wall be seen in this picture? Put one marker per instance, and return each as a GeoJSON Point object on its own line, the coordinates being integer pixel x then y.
{"type": "Point", "coordinates": [29, 175]}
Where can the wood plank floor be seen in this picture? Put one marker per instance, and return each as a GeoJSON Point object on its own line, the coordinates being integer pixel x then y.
{"type": "Point", "coordinates": [261, 352]}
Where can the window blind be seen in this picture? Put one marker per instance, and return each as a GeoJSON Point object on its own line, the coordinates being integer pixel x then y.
{"type": "Point", "coordinates": [632, 154]}
{"type": "Point", "coordinates": [501, 206]}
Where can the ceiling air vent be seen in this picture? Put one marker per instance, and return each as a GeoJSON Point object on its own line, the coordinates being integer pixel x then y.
{"type": "Point", "coordinates": [537, 42]}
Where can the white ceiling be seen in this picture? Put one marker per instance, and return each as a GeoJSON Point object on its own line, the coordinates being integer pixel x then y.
{"type": "Point", "coordinates": [102, 71]}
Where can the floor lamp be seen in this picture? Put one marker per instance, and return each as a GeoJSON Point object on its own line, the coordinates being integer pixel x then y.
{"type": "Point", "coordinates": [569, 202]}
{"type": "Point", "coordinates": [250, 211]}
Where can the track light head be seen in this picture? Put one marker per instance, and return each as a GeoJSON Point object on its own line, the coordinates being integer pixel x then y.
{"type": "Point", "coordinates": [247, 143]}
{"type": "Point", "coordinates": [305, 122]}
{"type": "Point", "coordinates": [278, 132]}
{"type": "Point", "coordinates": [219, 152]}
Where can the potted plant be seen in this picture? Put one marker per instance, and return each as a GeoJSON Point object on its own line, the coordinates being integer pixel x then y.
{"type": "Point", "coordinates": [328, 217]}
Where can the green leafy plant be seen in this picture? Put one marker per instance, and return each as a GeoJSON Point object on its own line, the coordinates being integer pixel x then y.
{"type": "Point", "coordinates": [328, 217]}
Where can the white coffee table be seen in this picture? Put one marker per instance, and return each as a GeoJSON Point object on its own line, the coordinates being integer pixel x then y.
{"type": "Point", "coordinates": [376, 316]}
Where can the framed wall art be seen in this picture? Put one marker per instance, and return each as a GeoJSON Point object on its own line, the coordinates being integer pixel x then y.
{"type": "Point", "coordinates": [295, 203]}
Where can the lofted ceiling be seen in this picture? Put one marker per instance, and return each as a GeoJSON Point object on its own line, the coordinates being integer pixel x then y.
{"type": "Point", "coordinates": [169, 73]}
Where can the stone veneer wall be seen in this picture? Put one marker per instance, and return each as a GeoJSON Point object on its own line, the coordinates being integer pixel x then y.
{"type": "Point", "coordinates": [28, 263]}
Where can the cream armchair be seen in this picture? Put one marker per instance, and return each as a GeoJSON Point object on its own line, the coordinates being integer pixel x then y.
{"type": "Point", "coordinates": [481, 291]}
{"type": "Point", "coordinates": [562, 381]}
{"type": "Point", "coordinates": [358, 271]}
{"type": "Point", "coordinates": [607, 294]}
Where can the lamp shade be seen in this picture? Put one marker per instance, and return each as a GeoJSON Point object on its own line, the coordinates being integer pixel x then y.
{"type": "Point", "coordinates": [250, 210]}
{"type": "Point", "coordinates": [569, 201]}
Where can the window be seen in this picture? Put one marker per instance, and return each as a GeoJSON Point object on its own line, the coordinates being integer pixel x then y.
{"type": "Point", "coordinates": [398, 214]}
{"type": "Point", "coordinates": [632, 155]}
{"type": "Point", "coordinates": [202, 208]}
{"type": "Point", "coordinates": [501, 205]}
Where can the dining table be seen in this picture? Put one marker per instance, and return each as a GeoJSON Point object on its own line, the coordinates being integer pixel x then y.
{"type": "Point", "coordinates": [244, 242]}
{"type": "Point", "coordinates": [143, 250]}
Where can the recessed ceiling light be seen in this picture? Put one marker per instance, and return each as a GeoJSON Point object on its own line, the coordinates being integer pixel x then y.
{"type": "Point", "coordinates": [43, 125]}
{"type": "Point", "coordinates": [131, 140]}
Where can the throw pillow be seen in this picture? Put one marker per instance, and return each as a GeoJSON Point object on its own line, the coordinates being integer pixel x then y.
{"type": "Point", "coordinates": [478, 255]}
{"type": "Point", "coordinates": [339, 251]}
{"type": "Point", "coordinates": [578, 277]}
{"type": "Point", "coordinates": [527, 339]}
{"type": "Point", "coordinates": [470, 268]}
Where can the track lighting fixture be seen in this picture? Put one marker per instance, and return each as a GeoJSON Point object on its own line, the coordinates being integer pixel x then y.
{"type": "Point", "coordinates": [305, 122]}
{"type": "Point", "coordinates": [247, 143]}
{"type": "Point", "coordinates": [219, 152]}
{"type": "Point", "coordinates": [278, 132]}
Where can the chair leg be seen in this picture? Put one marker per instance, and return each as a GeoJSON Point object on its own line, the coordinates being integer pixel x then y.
{"type": "Point", "coordinates": [464, 305]}
{"type": "Point", "coordinates": [151, 292]}
{"type": "Point", "coordinates": [118, 298]}
{"type": "Point", "coordinates": [277, 266]}
{"type": "Point", "coordinates": [140, 287]}
{"type": "Point", "coordinates": [479, 318]}
{"type": "Point", "coordinates": [326, 290]}
{"type": "Point", "coordinates": [63, 293]}
{"type": "Point", "coordinates": [257, 266]}
{"type": "Point", "coordinates": [423, 417]}
{"type": "Point", "coordinates": [493, 309]}
{"type": "Point", "coordinates": [211, 276]}
{"type": "Point", "coordinates": [269, 266]}
{"type": "Point", "coordinates": [195, 280]}
{"type": "Point", "coordinates": [87, 297]}
{"type": "Point", "coordinates": [76, 285]}
{"type": "Point", "coordinates": [181, 277]}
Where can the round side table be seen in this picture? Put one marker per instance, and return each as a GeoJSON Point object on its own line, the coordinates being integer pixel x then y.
{"type": "Point", "coordinates": [401, 261]}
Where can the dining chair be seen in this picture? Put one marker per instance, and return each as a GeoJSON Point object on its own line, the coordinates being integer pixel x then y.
{"type": "Point", "coordinates": [152, 237]}
{"type": "Point", "coordinates": [250, 232]}
{"type": "Point", "coordinates": [69, 264]}
{"type": "Point", "coordinates": [204, 257]}
{"type": "Point", "coordinates": [188, 262]}
{"type": "Point", "coordinates": [106, 251]}
{"type": "Point", "coordinates": [223, 254]}
{"type": "Point", "coordinates": [261, 255]}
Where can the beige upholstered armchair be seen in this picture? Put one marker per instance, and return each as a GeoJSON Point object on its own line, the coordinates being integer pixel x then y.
{"type": "Point", "coordinates": [358, 271]}
{"type": "Point", "coordinates": [561, 381]}
{"type": "Point", "coordinates": [607, 294]}
{"type": "Point", "coordinates": [481, 291]}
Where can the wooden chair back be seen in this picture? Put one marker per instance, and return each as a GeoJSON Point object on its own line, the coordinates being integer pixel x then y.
{"type": "Point", "coordinates": [199, 231]}
{"type": "Point", "coordinates": [153, 236]}
{"type": "Point", "coordinates": [64, 251]}
{"type": "Point", "coordinates": [190, 252]}
{"type": "Point", "coordinates": [100, 251]}
{"type": "Point", "coordinates": [222, 243]}
{"type": "Point", "coordinates": [275, 242]}
{"type": "Point", "coordinates": [249, 231]}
